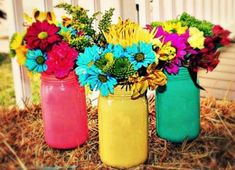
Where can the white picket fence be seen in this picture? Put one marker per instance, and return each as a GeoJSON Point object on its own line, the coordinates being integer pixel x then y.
{"type": "Point", "coordinates": [142, 11]}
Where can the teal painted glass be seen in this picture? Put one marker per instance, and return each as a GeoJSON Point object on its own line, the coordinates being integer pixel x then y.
{"type": "Point", "coordinates": [178, 108]}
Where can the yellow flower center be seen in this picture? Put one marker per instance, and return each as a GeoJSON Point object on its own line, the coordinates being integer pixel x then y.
{"type": "Point", "coordinates": [40, 60]}
{"type": "Point", "coordinates": [139, 57]}
{"type": "Point", "coordinates": [102, 78]}
{"type": "Point", "coordinates": [42, 35]}
{"type": "Point", "coordinates": [90, 63]}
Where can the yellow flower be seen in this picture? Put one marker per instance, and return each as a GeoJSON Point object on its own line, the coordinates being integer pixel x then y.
{"type": "Point", "coordinates": [21, 54]}
{"type": "Point", "coordinates": [127, 33]}
{"type": "Point", "coordinates": [40, 16]}
{"type": "Point", "coordinates": [19, 49]}
{"type": "Point", "coordinates": [66, 21]}
{"type": "Point", "coordinates": [16, 40]}
{"type": "Point", "coordinates": [196, 38]}
{"type": "Point", "coordinates": [66, 35]}
{"type": "Point", "coordinates": [165, 51]}
{"type": "Point", "coordinates": [172, 27]}
{"type": "Point", "coordinates": [153, 79]}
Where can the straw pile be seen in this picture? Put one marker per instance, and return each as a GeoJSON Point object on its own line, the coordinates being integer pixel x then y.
{"type": "Point", "coordinates": [22, 144]}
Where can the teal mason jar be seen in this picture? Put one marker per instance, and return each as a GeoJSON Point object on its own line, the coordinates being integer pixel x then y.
{"type": "Point", "coordinates": [178, 108]}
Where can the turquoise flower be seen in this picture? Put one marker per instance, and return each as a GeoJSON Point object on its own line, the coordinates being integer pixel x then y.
{"type": "Point", "coordinates": [99, 81]}
{"type": "Point", "coordinates": [140, 54]}
{"type": "Point", "coordinates": [70, 30]}
{"type": "Point", "coordinates": [86, 62]}
{"type": "Point", "coordinates": [35, 61]}
{"type": "Point", "coordinates": [116, 50]}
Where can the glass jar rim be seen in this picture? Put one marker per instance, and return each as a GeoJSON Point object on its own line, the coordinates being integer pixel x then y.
{"type": "Point", "coordinates": [52, 78]}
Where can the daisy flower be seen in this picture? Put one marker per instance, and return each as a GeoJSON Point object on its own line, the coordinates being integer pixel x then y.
{"type": "Point", "coordinates": [102, 82]}
{"type": "Point", "coordinates": [36, 61]}
{"type": "Point", "coordinates": [141, 54]}
{"type": "Point", "coordinates": [42, 35]}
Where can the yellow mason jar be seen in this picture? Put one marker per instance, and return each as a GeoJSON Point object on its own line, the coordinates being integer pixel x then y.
{"type": "Point", "coordinates": [123, 129]}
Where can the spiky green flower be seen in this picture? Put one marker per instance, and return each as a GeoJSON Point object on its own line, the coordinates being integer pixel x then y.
{"type": "Point", "coordinates": [105, 63]}
{"type": "Point", "coordinates": [122, 68]}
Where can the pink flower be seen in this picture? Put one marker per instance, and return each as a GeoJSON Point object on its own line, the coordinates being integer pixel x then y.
{"type": "Point", "coordinates": [61, 59]}
{"type": "Point", "coordinates": [179, 43]}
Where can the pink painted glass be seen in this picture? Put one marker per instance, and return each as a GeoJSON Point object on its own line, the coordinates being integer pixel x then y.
{"type": "Point", "coordinates": [64, 111]}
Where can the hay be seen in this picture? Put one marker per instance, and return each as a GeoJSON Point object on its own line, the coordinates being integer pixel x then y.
{"type": "Point", "coordinates": [22, 144]}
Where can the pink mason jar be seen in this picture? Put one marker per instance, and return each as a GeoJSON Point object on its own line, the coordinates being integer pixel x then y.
{"type": "Point", "coordinates": [64, 111]}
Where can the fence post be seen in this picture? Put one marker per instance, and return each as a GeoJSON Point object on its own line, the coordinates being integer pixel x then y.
{"type": "Point", "coordinates": [48, 5]}
{"type": "Point", "coordinates": [74, 2]}
{"type": "Point", "coordinates": [20, 78]}
{"type": "Point", "coordinates": [128, 9]}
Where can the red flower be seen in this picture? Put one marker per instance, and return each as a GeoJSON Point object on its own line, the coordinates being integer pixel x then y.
{"type": "Point", "coordinates": [41, 35]}
{"type": "Point", "coordinates": [207, 61]}
{"type": "Point", "coordinates": [208, 57]}
{"type": "Point", "coordinates": [61, 59]}
{"type": "Point", "coordinates": [221, 35]}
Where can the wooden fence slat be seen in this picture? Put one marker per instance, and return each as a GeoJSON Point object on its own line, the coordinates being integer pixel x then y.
{"type": "Point", "coordinates": [21, 80]}
{"type": "Point", "coordinates": [155, 15]}
{"type": "Point", "coordinates": [128, 9]}
{"type": "Point", "coordinates": [217, 84]}
{"type": "Point", "coordinates": [179, 7]}
{"type": "Point", "coordinates": [48, 5]}
{"type": "Point", "coordinates": [143, 15]}
{"type": "Point", "coordinates": [75, 2]}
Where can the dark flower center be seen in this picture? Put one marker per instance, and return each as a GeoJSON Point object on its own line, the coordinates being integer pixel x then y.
{"type": "Point", "coordinates": [40, 60]}
{"type": "Point", "coordinates": [42, 35]}
{"type": "Point", "coordinates": [139, 57]}
{"type": "Point", "coordinates": [174, 30]}
{"type": "Point", "coordinates": [102, 78]}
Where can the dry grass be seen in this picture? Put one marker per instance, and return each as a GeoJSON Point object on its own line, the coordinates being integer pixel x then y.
{"type": "Point", "coordinates": [22, 144]}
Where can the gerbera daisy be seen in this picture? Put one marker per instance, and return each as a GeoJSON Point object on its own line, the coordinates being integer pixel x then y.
{"type": "Point", "coordinates": [117, 50]}
{"type": "Point", "coordinates": [61, 59]}
{"type": "Point", "coordinates": [141, 54]}
{"type": "Point", "coordinates": [42, 35]}
{"type": "Point", "coordinates": [86, 61]}
{"type": "Point", "coordinates": [102, 82]}
{"type": "Point", "coordinates": [35, 61]}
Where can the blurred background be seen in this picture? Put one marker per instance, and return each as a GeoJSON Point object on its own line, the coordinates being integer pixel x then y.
{"type": "Point", "coordinates": [16, 87]}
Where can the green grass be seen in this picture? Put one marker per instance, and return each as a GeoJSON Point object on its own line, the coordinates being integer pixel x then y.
{"type": "Point", "coordinates": [7, 94]}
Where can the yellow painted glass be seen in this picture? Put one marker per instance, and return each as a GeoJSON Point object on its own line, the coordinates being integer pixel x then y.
{"type": "Point", "coordinates": [123, 129]}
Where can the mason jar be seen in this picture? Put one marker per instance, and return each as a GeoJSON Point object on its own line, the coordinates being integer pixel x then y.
{"type": "Point", "coordinates": [64, 111]}
{"type": "Point", "coordinates": [178, 108]}
{"type": "Point", "coordinates": [123, 129]}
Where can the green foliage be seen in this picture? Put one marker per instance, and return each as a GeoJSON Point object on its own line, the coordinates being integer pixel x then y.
{"type": "Point", "coordinates": [80, 43]}
{"type": "Point", "coordinates": [80, 19]}
{"type": "Point", "coordinates": [156, 24]}
{"type": "Point", "coordinates": [202, 25]}
{"type": "Point", "coordinates": [106, 20]}
{"type": "Point", "coordinates": [122, 68]}
{"type": "Point", "coordinates": [85, 24]}
{"type": "Point", "coordinates": [12, 52]}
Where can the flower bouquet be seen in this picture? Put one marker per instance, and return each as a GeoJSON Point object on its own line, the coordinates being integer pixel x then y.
{"type": "Point", "coordinates": [50, 47]}
{"type": "Point", "coordinates": [185, 45]}
{"type": "Point", "coordinates": [122, 70]}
